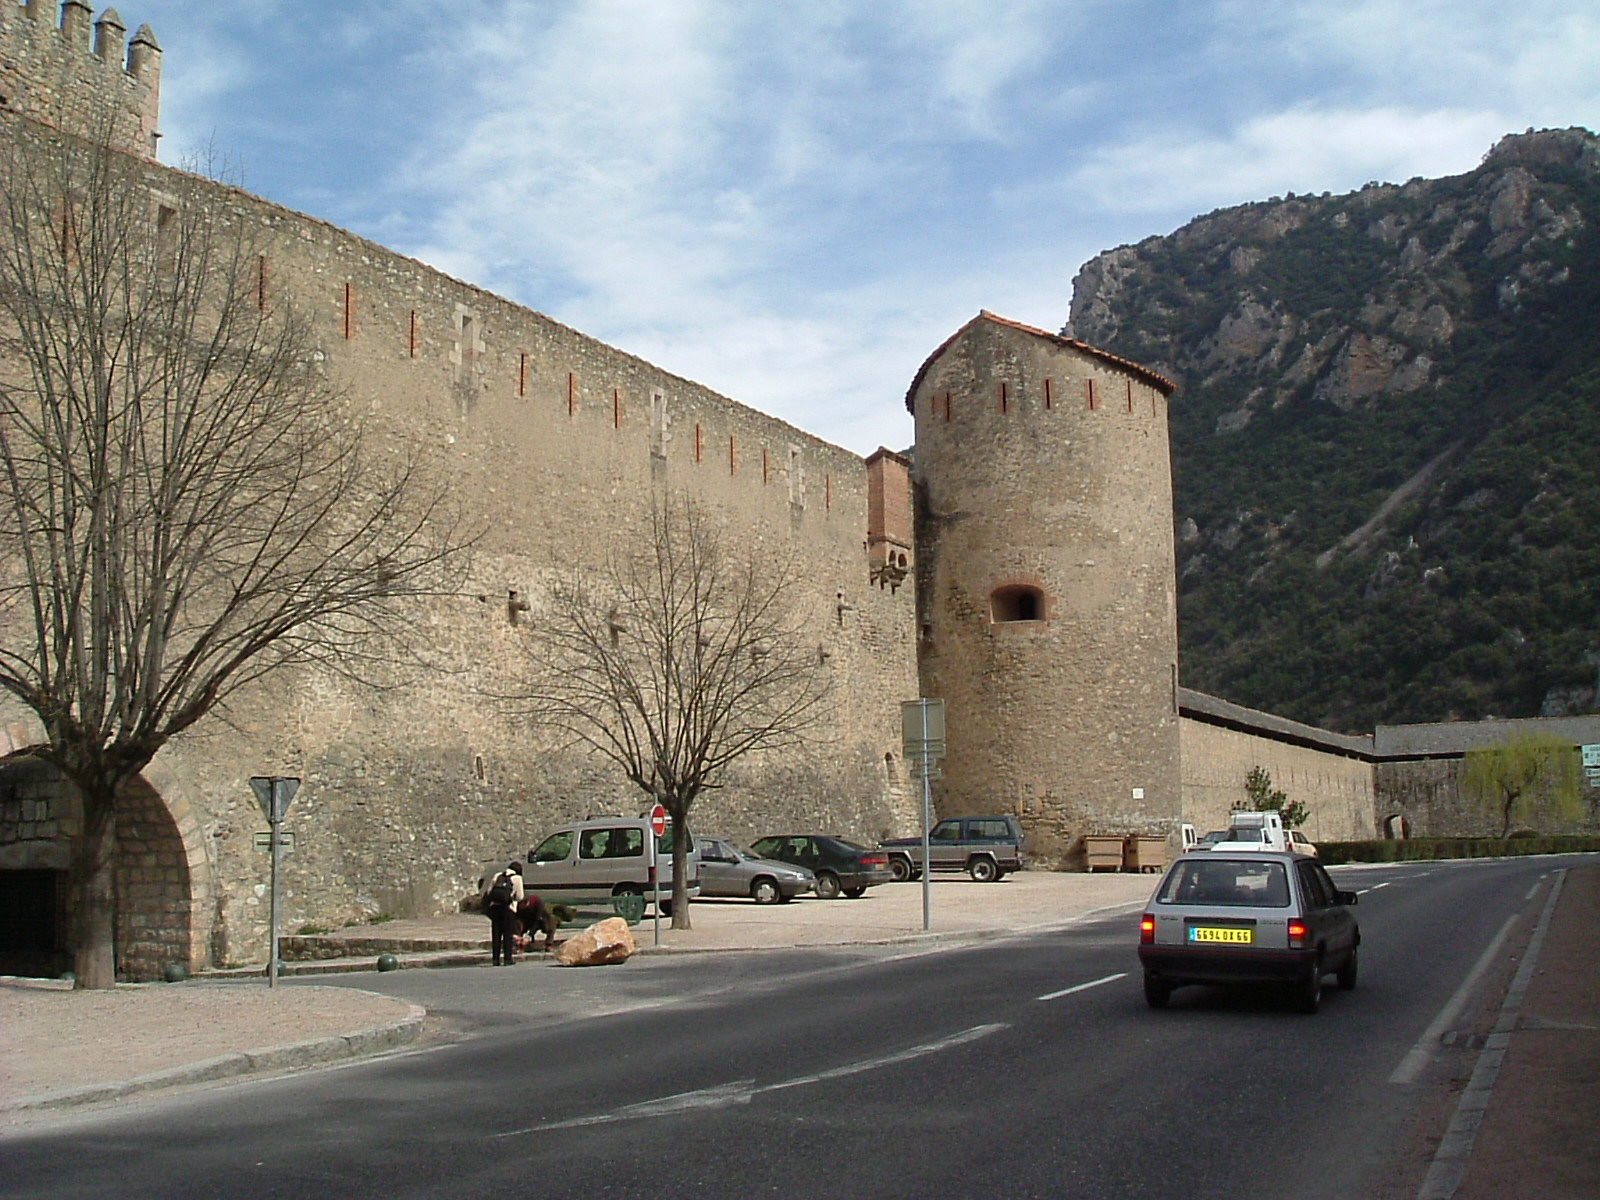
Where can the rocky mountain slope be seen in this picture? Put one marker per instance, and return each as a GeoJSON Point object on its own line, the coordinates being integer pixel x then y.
{"type": "Point", "coordinates": [1386, 439]}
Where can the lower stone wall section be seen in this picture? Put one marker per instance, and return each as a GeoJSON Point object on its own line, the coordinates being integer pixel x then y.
{"type": "Point", "coordinates": [1338, 789]}
{"type": "Point", "coordinates": [1426, 795]}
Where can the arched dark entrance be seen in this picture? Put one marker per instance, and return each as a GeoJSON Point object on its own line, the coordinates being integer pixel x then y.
{"type": "Point", "coordinates": [1396, 827]}
{"type": "Point", "coordinates": [163, 889]}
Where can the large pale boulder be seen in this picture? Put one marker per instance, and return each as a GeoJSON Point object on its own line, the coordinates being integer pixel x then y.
{"type": "Point", "coordinates": [608, 941]}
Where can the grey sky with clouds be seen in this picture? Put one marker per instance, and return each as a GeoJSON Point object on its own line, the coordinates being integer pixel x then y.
{"type": "Point", "coordinates": [795, 203]}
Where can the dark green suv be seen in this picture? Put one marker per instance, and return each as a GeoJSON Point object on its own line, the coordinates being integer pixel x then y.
{"type": "Point", "coordinates": [987, 848]}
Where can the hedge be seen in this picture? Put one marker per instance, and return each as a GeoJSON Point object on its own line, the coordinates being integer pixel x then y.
{"type": "Point", "coordinates": [1416, 849]}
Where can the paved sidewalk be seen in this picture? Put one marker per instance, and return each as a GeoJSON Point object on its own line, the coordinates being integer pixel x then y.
{"type": "Point", "coordinates": [1537, 1139]}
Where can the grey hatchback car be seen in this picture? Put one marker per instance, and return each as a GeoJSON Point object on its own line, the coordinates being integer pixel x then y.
{"type": "Point", "coordinates": [1248, 917]}
{"type": "Point", "coordinates": [727, 870]}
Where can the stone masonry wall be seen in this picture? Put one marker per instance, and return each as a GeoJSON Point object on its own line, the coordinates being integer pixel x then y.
{"type": "Point", "coordinates": [1427, 793]}
{"type": "Point", "coordinates": [556, 445]}
{"type": "Point", "coordinates": [1337, 788]}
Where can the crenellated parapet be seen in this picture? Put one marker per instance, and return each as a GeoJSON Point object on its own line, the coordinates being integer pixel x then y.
{"type": "Point", "coordinates": [63, 67]}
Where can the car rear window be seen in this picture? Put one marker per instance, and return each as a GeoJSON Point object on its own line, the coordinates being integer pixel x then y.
{"type": "Point", "coordinates": [991, 829]}
{"type": "Point", "coordinates": [1226, 881]}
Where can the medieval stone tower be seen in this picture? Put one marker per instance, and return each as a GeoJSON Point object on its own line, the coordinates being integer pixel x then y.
{"type": "Point", "coordinates": [1045, 588]}
{"type": "Point", "coordinates": [67, 69]}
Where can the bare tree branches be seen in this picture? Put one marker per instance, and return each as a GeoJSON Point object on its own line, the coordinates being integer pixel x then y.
{"type": "Point", "coordinates": [188, 505]}
{"type": "Point", "coordinates": [676, 663]}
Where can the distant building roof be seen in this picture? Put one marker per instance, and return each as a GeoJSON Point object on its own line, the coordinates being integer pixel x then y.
{"type": "Point", "coordinates": [1201, 707]}
{"type": "Point", "coordinates": [1449, 738]}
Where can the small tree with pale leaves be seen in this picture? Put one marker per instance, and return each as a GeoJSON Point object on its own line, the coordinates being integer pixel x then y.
{"type": "Point", "coordinates": [1514, 780]}
{"type": "Point", "coordinates": [1261, 796]}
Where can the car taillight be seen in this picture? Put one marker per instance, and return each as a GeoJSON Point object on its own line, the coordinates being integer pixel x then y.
{"type": "Point", "coordinates": [1297, 935]}
{"type": "Point", "coordinates": [874, 860]}
{"type": "Point", "coordinates": [1147, 930]}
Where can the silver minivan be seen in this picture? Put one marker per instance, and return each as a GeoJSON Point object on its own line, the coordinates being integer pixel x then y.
{"type": "Point", "coordinates": [604, 858]}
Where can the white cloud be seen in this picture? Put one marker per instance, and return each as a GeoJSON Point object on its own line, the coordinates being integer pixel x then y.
{"type": "Point", "coordinates": [1302, 150]}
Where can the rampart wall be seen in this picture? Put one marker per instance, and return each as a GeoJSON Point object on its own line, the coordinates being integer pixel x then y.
{"type": "Point", "coordinates": [1336, 788]}
{"type": "Point", "coordinates": [1427, 794]}
{"type": "Point", "coordinates": [556, 447]}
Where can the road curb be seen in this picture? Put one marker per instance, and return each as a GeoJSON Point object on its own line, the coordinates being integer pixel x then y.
{"type": "Point", "coordinates": [288, 1057]}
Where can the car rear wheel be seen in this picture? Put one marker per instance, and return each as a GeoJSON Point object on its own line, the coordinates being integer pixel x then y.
{"type": "Point", "coordinates": [855, 893]}
{"type": "Point", "coordinates": [1309, 989]}
{"type": "Point", "coordinates": [902, 870]}
{"type": "Point", "coordinates": [828, 885]}
{"type": "Point", "coordinates": [765, 891]}
{"type": "Point", "coordinates": [983, 870]}
{"type": "Point", "coordinates": [628, 903]}
{"type": "Point", "coordinates": [1346, 975]}
{"type": "Point", "coordinates": [1156, 991]}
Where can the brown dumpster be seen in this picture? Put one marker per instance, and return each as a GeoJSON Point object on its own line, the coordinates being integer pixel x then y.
{"type": "Point", "coordinates": [1104, 853]}
{"type": "Point", "coordinates": [1145, 854]}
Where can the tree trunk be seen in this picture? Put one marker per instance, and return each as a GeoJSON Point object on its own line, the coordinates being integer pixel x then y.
{"type": "Point", "coordinates": [94, 890]}
{"type": "Point", "coordinates": [682, 843]}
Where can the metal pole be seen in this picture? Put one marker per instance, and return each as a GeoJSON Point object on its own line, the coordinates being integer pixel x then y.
{"type": "Point", "coordinates": [655, 879]}
{"type": "Point", "coordinates": [927, 806]}
{"type": "Point", "coordinates": [276, 821]}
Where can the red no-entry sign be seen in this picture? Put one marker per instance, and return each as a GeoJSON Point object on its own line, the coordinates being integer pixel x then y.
{"type": "Point", "coordinates": [659, 820]}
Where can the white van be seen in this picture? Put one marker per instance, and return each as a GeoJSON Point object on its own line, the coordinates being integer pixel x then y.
{"type": "Point", "coordinates": [1255, 831]}
{"type": "Point", "coordinates": [602, 859]}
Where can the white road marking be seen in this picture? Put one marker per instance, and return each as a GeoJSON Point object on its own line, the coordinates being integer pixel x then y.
{"type": "Point", "coordinates": [1412, 1064]}
{"type": "Point", "coordinates": [1535, 886]}
{"type": "Point", "coordinates": [1374, 887]}
{"type": "Point", "coordinates": [1083, 987]}
{"type": "Point", "coordinates": [742, 1091]}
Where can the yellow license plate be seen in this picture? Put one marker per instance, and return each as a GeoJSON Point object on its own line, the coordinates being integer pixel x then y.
{"type": "Point", "coordinates": [1243, 937]}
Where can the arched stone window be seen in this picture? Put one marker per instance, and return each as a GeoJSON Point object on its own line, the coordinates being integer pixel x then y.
{"type": "Point", "coordinates": [1016, 602]}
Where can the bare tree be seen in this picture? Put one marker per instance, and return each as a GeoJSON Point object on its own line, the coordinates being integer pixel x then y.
{"type": "Point", "coordinates": [678, 661]}
{"type": "Point", "coordinates": [187, 504]}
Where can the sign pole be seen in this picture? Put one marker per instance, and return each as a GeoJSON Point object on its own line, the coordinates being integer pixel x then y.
{"type": "Point", "coordinates": [927, 816]}
{"type": "Point", "coordinates": [276, 823]}
{"type": "Point", "coordinates": [659, 825]}
{"type": "Point", "coordinates": [274, 793]}
{"type": "Point", "coordinates": [922, 734]}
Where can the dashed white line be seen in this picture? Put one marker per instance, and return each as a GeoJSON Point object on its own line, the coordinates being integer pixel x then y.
{"type": "Point", "coordinates": [1083, 987]}
{"type": "Point", "coordinates": [1374, 887]}
{"type": "Point", "coordinates": [742, 1091]}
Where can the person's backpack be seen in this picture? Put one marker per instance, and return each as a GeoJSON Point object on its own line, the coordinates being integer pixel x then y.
{"type": "Point", "coordinates": [501, 891]}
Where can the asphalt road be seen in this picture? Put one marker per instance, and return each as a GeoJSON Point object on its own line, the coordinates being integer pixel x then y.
{"type": "Point", "coordinates": [1016, 1068]}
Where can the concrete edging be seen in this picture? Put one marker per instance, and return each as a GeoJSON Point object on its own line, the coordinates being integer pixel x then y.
{"type": "Point", "coordinates": [288, 1057]}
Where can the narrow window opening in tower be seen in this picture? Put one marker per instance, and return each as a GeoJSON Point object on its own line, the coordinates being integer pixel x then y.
{"type": "Point", "coordinates": [1016, 602]}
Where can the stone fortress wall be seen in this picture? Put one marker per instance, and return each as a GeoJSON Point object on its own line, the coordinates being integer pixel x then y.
{"type": "Point", "coordinates": [1332, 774]}
{"type": "Point", "coordinates": [556, 446]}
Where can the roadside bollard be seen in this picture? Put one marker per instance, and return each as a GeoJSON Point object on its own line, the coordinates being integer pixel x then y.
{"type": "Point", "coordinates": [388, 962]}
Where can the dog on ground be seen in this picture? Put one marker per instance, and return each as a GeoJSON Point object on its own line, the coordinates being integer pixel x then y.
{"type": "Point", "coordinates": [534, 915]}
